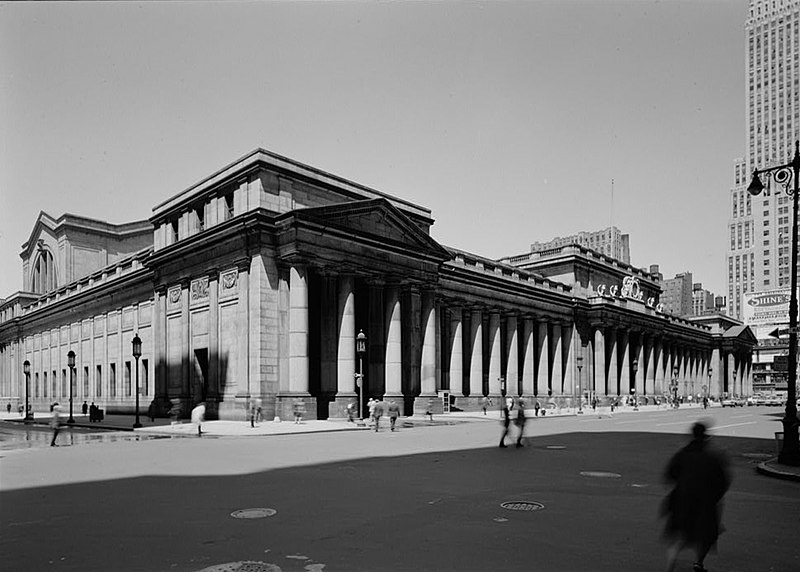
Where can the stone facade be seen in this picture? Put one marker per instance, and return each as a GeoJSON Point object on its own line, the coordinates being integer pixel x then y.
{"type": "Point", "coordinates": [256, 281]}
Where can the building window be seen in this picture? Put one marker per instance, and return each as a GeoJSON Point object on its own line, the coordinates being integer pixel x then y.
{"type": "Point", "coordinates": [200, 218]}
{"type": "Point", "coordinates": [44, 384]}
{"type": "Point", "coordinates": [63, 383]}
{"type": "Point", "coordinates": [174, 227]}
{"type": "Point", "coordinates": [228, 206]}
{"type": "Point", "coordinates": [44, 273]}
{"type": "Point", "coordinates": [112, 380]}
{"type": "Point", "coordinates": [36, 385]}
{"type": "Point", "coordinates": [98, 381]}
{"type": "Point", "coordinates": [128, 391]}
{"type": "Point", "coordinates": [54, 383]}
{"type": "Point", "coordinates": [86, 381]}
{"type": "Point", "coordinates": [145, 378]}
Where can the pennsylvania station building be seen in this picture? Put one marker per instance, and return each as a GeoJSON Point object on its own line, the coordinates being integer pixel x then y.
{"type": "Point", "coordinates": [255, 282]}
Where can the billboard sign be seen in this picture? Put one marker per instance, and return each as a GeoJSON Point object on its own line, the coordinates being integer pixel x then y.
{"type": "Point", "coordinates": [766, 308]}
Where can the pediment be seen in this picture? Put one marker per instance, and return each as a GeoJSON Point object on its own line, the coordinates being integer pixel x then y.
{"type": "Point", "coordinates": [376, 220]}
{"type": "Point", "coordinates": [43, 229]}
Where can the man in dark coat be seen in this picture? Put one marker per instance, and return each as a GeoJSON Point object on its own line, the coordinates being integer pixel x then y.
{"type": "Point", "coordinates": [505, 419]}
{"type": "Point", "coordinates": [692, 508]}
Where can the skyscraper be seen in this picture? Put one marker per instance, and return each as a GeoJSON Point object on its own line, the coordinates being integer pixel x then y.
{"type": "Point", "coordinates": [759, 227]}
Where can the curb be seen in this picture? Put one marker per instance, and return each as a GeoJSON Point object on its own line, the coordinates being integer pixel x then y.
{"type": "Point", "coordinates": [765, 469]}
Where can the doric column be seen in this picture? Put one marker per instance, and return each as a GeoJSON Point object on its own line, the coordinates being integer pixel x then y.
{"type": "Point", "coordinates": [394, 344]}
{"type": "Point", "coordinates": [428, 360]}
{"type": "Point", "coordinates": [527, 357]}
{"type": "Point", "coordinates": [650, 370]}
{"type": "Point", "coordinates": [659, 386]}
{"type": "Point", "coordinates": [456, 351]}
{"type": "Point", "coordinates": [495, 349]}
{"type": "Point", "coordinates": [185, 347]}
{"type": "Point", "coordinates": [599, 381]}
{"type": "Point", "coordinates": [641, 375]}
{"type": "Point", "coordinates": [542, 360]}
{"type": "Point", "coordinates": [612, 387]}
{"type": "Point", "coordinates": [557, 375]}
{"type": "Point", "coordinates": [625, 358]}
{"type": "Point", "coordinates": [298, 329]}
{"type": "Point", "coordinates": [569, 340]}
{"type": "Point", "coordinates": [213, 335]}
{"type": "Point", "coordinates": [476, 355]}
{"type": "Point", "coordinates": [346, 351]}
{"type": "Point", "coordinates": [512, 359]}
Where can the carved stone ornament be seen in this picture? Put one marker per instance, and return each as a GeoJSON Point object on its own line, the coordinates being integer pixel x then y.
{"type": "Point", "coordinates": [229, 279]}
{"type": "Point", "coordinates": [199, 289]}
{"type": "Point", "coordinates": [175, 295]}
{"type": "Point", "coordinates": [630, 290]}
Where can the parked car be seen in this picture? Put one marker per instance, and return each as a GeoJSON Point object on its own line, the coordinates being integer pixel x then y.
{"type": "Point", "coordinates": [733, 402]}
{"type": "Point", "coordinates": [774, 401]}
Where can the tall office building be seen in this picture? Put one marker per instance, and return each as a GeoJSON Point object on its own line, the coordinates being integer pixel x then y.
{"type": "Point", "coordinates": [760, 227]}
{"type": "Point", "coordinates": [609, 241]}
{"type": "Point", "coordinates": [677, 294]}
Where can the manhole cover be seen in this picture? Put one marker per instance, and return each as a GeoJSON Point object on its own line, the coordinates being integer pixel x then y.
{"type": "Point", "coordinates": [601, 474]}
{"type": "Point", "coordinates": [254, 513]}
{"type": "Point", "coordinates": [556, 447]}
{"type": "Point", "coordinates": [244, 566]}
{"type": "Point", "coordinates": [525, 506]}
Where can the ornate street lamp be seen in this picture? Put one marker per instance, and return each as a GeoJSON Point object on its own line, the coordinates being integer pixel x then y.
{"type": "Point", "coordinates": [71, 365]}
{"type": "Point", "coordinates": [674, 387]}
{"type": "Point", "coordinates": [633, 389]}
{"type": "Point", "coordinates": [708, 387]}
{"type": "Point", "coordinates": [579, 359]}
{"type": "Point", "coordinates": [26, 369]}
{"type": "Point", "coordinates": [361, 349]}
{"type": "Point", "coordinates": [786, 175]}
{"type": "Point", "coordinates": [137, 353]}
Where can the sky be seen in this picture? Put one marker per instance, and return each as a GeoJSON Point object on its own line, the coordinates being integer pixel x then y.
{"type": "Point", "coordinates": [508, 120]}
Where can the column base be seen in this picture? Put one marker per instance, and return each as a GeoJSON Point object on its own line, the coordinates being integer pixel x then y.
{"type": "Point", "coordinates": [337, 407]}
{"type": "Point", "coordinates": [285, 406]}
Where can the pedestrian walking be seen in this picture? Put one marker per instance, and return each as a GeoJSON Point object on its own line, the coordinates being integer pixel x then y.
{"type": "Point", "coordinates": [84, 408]}
{"type": "Point", "coordinates": [429, 409]}
{"type": "Point", "coordinates": [55, 423]}
{"type": "Point", "coordinates": [198, 416]}
{"type": "Point", "coordinates": [297, 409]}
{"type": "Point", "coordinates": [259, 410]}
{"type": "Point", "coordinates": [351, 411]}
{"type": "Point", "coordinates": [175, 410]}
{"type": "Point", "coordinates": [151, 411]}
{"type": "Point", "coordinates": [692, 508]}
{"type": "Point", "coordinates": [521, 419]}
{"type": "Point", "coordinates": [371, 408]}
{"type": "Point", "coordinates": [394, 413]}
{"type": "Point", "coordinates": [536, 408]}
{"type": "Point", "coordinates": [505, 419]}
{"type": "Point", "coordinates": [252, 413]}
{"type": "Point", "coordinates": [8, 407]}
{"type": "Point", "coordinates": [377, 412]}
{"type": "Point", "coordinates": [486, 403]}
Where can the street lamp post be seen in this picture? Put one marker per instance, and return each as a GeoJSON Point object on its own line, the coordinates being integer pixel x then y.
{"type": "Point", "coordinates": [708, 387]}
{"type": "Point", "coordinates": [785, 175]}
{"type": "Point", "coordinates": [26, 369]}
{"type": "Point", "coordinates": [361, 349]}
{"type": "Point", "coordinates": [137, 353]}
{"type": "Point", "coordinates": [71, 365]}
{"type": "Point", "coordinates": [633, 389]}
{"type": "Point", "coordinates": [579, 359]}
{"type": "Point", "coordinates": [674, 387]}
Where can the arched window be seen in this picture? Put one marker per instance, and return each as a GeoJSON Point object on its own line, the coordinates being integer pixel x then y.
{"type": "Point", "coordinates": [44, 273]}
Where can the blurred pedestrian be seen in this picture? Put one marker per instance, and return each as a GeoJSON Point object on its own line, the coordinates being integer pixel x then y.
{"type": "Point", "coordinates": [55, 423]}
{"type": "Point", "coordinates": [394, 413]}
{"type": "Point", "coordinates": [259, 410]}
{"type": "Point", "coordinates": [429, 409]}
{"type": "Point", "coordinates": [536, 408]}
{"type": "Point", "coordinates": [485, 404]}
{"type": "Point", "coordinates": [252, 413]}
{"type": "Point", "coordinates": [371, 408]}
{"type": "Point", "coordinates": [377, 412]}
{"type": "Point", "coordinates": [8, 407]}
{"type": "Point", "coordinates": [175, 410]}
{"type": "Point", "coordinates": [505, 419]}
{"type": "Point", "coordinates": [692, 509]}
{"type": "Point", "coordinates": [351, 410]}
{"type": "Point", "coordinates": [521, 419]}
{"type": "Point", "coordinates": [151, 411]}
{"type": "Point", "coordinates": [198, 415]}
{"type": "Point", "coordinates": [297, 409]}
{"type": "Point", "coordinates": [84, 408]}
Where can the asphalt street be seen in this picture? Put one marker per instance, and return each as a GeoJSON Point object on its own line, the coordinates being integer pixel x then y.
{"type": "Point", "coordinates": [426, 498]}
